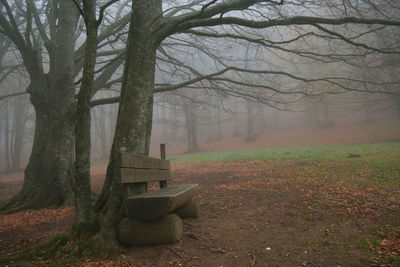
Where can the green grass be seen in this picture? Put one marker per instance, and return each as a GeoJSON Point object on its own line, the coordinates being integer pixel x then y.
{"type": "Point", "coordinates": [368, 152]}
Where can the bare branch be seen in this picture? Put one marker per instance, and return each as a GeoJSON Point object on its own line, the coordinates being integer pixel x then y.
{"type": "Point", "coordinates": [13, 94]}
{"type": "Point", "coordinates": [102, 9]}
{"type": "Point", "coordinates": [104, 101]}
{"type": "Point", "coordinates": [298, 20]}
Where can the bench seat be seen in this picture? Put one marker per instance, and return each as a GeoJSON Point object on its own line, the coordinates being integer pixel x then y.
{"type": "Point", "coordinates": [155, 204]}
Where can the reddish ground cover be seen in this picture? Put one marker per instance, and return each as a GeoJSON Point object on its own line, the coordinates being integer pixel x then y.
{"type": "Point", "coordinates": [254, 213]}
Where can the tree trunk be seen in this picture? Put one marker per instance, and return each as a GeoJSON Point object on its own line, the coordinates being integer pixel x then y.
{"type": "Point", "coordinates": [100, 124]}
{"type": "Point", "coordinates": [191, 127]}
{"type": "Point", "coordinates": [250, 135]}
{"type": "Point", "coordinates": [275, 121]}
{"type": "Point", "coordinates": [236, 127]}
{"type": "Point", "coordinates": [164, 123]}
{"type": "Point", "coordinates": [397, 104]}
{"type": "Point", "coordinates": [7, 137]}
{"type": "Point", "coordinates": [326, 120]}
{"type": "Point", "coordinates": [19, 121]}
{"type": "Point", "coordinates": [134, 120]}
{"type": "Point", "coordinates": [48, 176]}
{"type": "Point", "coordinates": [85, 220]}
{"type": "Point", "coordinates": [218, 126]}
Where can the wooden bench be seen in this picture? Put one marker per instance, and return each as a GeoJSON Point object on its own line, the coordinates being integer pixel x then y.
{"type": "Point", "coordinates": [149, 218]}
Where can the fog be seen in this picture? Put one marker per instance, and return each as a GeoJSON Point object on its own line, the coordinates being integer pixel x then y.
{"type": "Point", "coordinates": [224, 126]}
{"type": "Point", "coordinates": [234, 87]}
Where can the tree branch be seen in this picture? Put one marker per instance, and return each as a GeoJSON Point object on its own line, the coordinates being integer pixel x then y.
{"type": "Point", "coordinates": [13, 94]}
{"type": "Point", "coordinates": [298, 20]}
{"type": "Point", "coordinates": [102, 9]}
{"type": "Point", "coordinates": [39, 25]}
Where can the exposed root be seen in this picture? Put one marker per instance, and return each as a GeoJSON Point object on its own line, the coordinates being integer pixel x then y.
{"type": "Point", "coordinates": [45, 249]}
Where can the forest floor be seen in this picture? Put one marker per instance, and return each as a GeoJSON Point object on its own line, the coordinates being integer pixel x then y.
{"type": "Point", "coordinates": [309, 206]}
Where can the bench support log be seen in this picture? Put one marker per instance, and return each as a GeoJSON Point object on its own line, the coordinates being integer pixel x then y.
{"type": "Point", "coordinates": [167, 230]}
{"type": "Point", "coordinates": [188, 210]}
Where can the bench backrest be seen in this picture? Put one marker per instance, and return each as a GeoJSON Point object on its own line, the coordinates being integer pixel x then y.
{"type": "Point", "coordinates": [139, 169]}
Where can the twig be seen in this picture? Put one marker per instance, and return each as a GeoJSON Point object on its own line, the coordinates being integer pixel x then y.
{"type": "Point", "coordinates": [174, 252]}
{"type": "Point", "coordinates": [193, 236]}
{"type": "Point", "coordinates": [218, 251]}
{"type": "Point", "coordinates": [253, 260]}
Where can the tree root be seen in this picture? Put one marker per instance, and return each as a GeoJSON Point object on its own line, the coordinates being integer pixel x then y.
{"type": "Point", "coordinates": [68, 247]}
{"type": "Point", "coordinates": [45, 249]}
{"type": "Point", "coordinates": [30, 201]}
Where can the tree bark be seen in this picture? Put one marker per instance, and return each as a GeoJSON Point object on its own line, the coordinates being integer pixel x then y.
{"type": "Point", "coordinates": [85, 219]}
{"type": "Point", "coordinates": [134, 120]}
{"type": "Point", "coordinates": [48, 176]}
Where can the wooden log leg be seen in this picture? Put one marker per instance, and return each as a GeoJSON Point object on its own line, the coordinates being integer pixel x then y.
{"type": "Point", "coordinates": [190, 210]}
{"type": "Point", "coordinates": [168, 229]}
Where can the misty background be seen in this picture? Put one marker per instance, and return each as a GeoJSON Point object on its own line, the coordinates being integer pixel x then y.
{"type": "Point", "coordinates": [285, 86]}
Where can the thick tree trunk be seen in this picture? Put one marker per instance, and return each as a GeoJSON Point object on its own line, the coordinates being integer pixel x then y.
{"type": "Point", "coordinates": [49, 171]}
{"type": "Point", "coordinates": [134, 120]}
{"type": "Point", "coordinates": [48, 176]}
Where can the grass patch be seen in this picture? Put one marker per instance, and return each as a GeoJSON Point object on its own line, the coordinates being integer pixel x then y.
{"type": "Point", "coordinates": [369, 152]}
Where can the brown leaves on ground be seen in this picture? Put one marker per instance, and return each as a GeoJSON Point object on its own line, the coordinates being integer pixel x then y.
{"type": "Point", "coordinates": [313, 212]}
{"type": "Point", "coordinates": [346, 188]}
{"type": "Point", "coordinates": [28, 220]}
{"type": "Point", "coordinates": [105, 263]}
{"type": "Point", "coordinates": [388, 249]}
{"type": "Point", "coordinates": [22, 229]}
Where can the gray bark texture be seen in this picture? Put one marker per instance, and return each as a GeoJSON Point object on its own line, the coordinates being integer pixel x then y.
{"type": "Point", "coordinates": [85, 221]}
{"type": "Point", "coordinates": [134, 120]}
{"type": "Point", "coordinates": [48, 174]}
